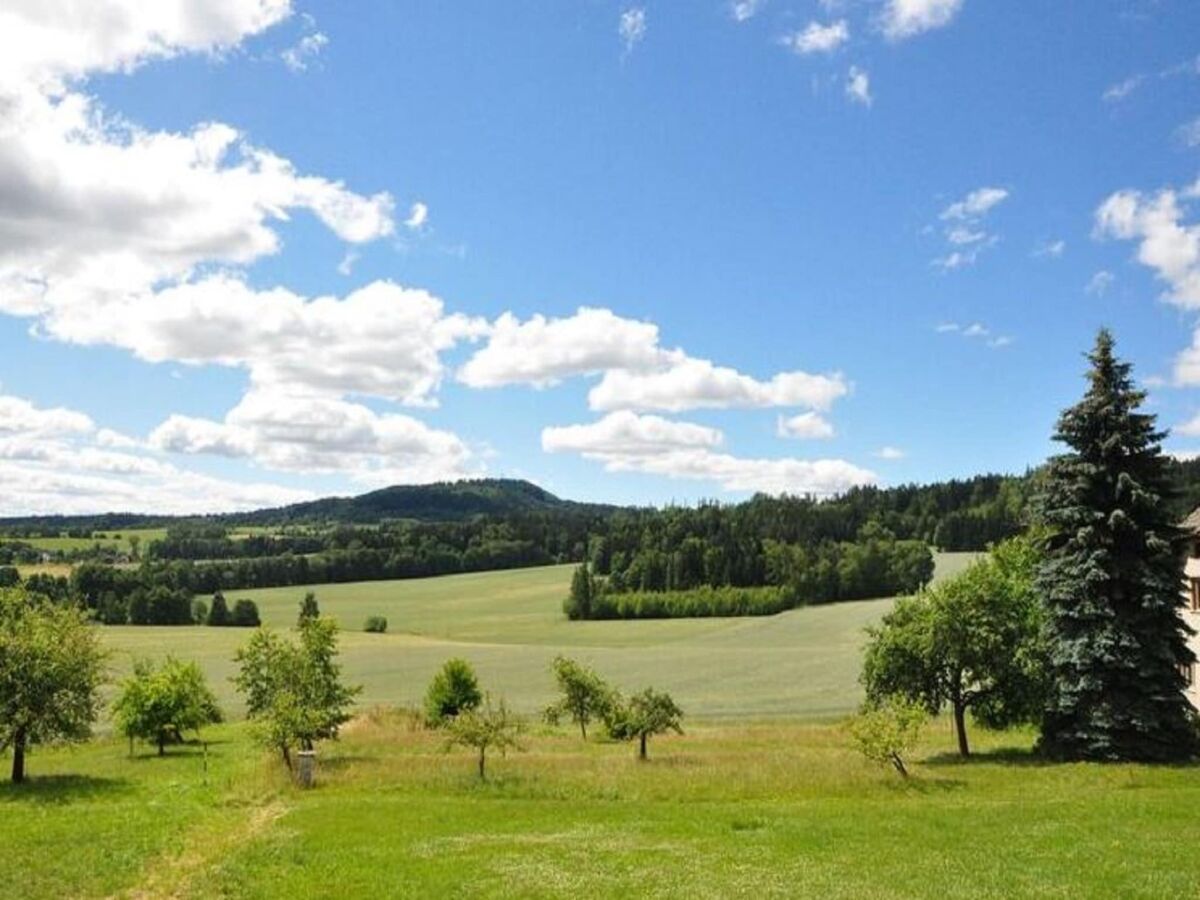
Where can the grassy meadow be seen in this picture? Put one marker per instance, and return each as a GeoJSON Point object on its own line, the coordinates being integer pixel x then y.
{"type": "Point", "coordinates": [510, 625]}
{"type": "Point", "coordinates": [768, 809]}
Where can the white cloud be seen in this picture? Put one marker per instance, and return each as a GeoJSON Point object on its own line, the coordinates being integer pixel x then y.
{"type": "Point", "coordinates": [1166, 243]}
{"type": "Point", "coordinates": [632, 27]}
{"type": "Point", "coordinates": [57, 461]}
{"type": "Point", "coordinates": [304, 51]}
{"type": "Point", "coordinates": [1051, 249]}
{"type": "Point", "coordinates": [1189, 133]}
{"type": "Point", "coordinates": [698, 384]}
{"type": "Point", "coordinates": [542, 352]}
{"type": "Point", "coordinates": [625, 434]}
{"type": "Point", "coordinates": [975, 205]}
{"type": "Point", "coordinates": [625, 442]}
{"type": "Point", "coordinates": [1099, 283]}
{"type": "Point", "coordinates": [890, 453]}
{"type": "Point", "coordinates": [858, 86]}
{"type": "Point", "coordinates": [346, 266]}
{"type": "Point", "coordinates": [1190, 428]}
{"type": "Point", "coordinates": [806, 426]}
{"type": "Point", "coordinates": [964, 230]}
{"type": "Point", "coordinates": [948, 328]}
{"type": "Point", "coordinates": [1122, 89]}
{"type": "Point", "coordinates": [744, 10]}
{"type": "Point", "coordinates": [418, 215]}
{"type": "Point", "coordinates": [289, 430]}
{"type": "Point", "coordinates": [46, 42]}
{"type": "Point", "coordinates": [638, 373]}
{"type": "Point", "coordinates": [975, 331]}
{"type": "Point", "coordinates": [907, 18]}
{"type": "Point", "coordinates": [818, 38]}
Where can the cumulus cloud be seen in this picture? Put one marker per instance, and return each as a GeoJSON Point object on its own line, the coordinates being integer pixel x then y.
{"type": "Point", "coordinates": [975, 331]}
{"type": "Point", "coordinates": [1166, 243]}
{"type": "Point", "coordinates": [858, 86]}
{"type": "Point", "coordinates": [907, 18]}
{"type": "Point", "coordinates": [890, 453]}
{"type": "Point", "coordinates": [290, 430]}
{"type": "Point", "coordinates": [818, 38]}
{"type": "Point", "coordinates": [626, 434]}
{"type": "Point", "coordinates": [418, 215]}
{"type": "Point", "coordinates": [625, 442]}
{"type": "Point", "coordinates": [55, 460]}
{"type": "Point", "coordinates": [698, 384]}
{"type": "Point", "coordinates": [631, 27]}
{"type": "Point", "coordinates": [806, 426]}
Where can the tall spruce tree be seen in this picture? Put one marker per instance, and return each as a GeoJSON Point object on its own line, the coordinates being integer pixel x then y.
{"type": "Point", "coordinates": [1112, 581]}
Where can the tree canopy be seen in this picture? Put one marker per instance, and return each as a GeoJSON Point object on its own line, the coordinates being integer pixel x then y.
{"type": "Point", "coordinates": [160, 704]}
{"type": "Point", "coordinates": [51, 668]}
{"type": "Point", "coordinates": [1112, 580]}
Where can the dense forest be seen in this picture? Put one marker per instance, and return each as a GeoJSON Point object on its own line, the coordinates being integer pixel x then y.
{"type": "Point", "coordinates": [867, 542]}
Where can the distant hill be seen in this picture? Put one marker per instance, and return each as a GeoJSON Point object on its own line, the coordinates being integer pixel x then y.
{"type": "Point", "coordinates": [440, 502]}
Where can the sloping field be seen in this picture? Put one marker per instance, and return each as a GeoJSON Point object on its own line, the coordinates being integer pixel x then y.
{"type": "Point", "coordinates": [510, 625]}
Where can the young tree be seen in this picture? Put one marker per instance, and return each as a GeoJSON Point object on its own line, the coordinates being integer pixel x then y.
{"type": "Point", "coordinates": [375, 624]}
{"type": "Point", "coordinates": [973, 642]}
{"type": "Point", "coordinates": [642, 715]}
{"type": "Point", "coordinates": [578, 604]}
{"type": "Point", "coordinates": [454, 690]}
{"type": "Point", "coordinates": [51, 667]}
{"type": "Point", "coordinates": [218, 613]}
{"type": "Point", "coordinates": [1112, 581]}
{"type": "Point", "coordinates": [887, 733]}
{"type": "Point", "coordinates": [308, 608]}
{"type": "Point", "coordinates": [485, 727]}
{"type": "Point", "coordinates": [585, 695]}
{"type": "Point", "coordinates": [294, 692]}
{"type": "Point", "coordinates": [159, 705]}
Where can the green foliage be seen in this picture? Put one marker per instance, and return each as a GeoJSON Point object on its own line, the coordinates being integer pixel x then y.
{"type": "Point", "coordinates": [585, 695]}
{"type": "Point", "coordinates": [454, 690]}
{"type": "Point", "coordinates": [9, 576]}
{"type": "Point", "coordinates": [647, 713]}
{"type": "Point", "coordinates": [308, 608]}
{"type": "Point", "coordinates": [375, 624]}
{"type": "Point", "coordinates": [51, 667]}
{"type": "Point", "coordinates": [218, 612]}
{"type": "Point", "coordinates": [696, 603]}
{"type": "Point", "coordinates": [160, 704]}
{"type": "Point", "coordinates": [1112, 579]}
{"type": "Point", "coordinates": [245, 614]}
{"type": "Point", "coordinates": [485, 727]}
{"type": "Point", "coordinates": [578, 604]}
{"type": "Point", "coordinates": [294, 691]}
{"type": "Point", "coordinates": [971, 642]}
{"type": "Point", "coordinates": [199, 611]}
{"type": "Point", "coordinates": [886, 733]}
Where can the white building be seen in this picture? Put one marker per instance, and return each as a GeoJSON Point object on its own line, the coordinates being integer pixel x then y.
{"type": "Point", "coordinates": [1191, 602]}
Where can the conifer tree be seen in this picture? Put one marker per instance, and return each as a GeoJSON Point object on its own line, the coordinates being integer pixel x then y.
{"type": "Point", "coordinates": [1112, 581]}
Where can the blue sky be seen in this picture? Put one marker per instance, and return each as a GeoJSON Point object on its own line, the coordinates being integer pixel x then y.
{"type": "Point", "coordinates": [254, 251]}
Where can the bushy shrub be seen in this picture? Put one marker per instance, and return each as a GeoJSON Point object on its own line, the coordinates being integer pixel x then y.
{"type": "Point", "coordinates": [199, 611]}
{"type": "Point", "coordinates": [245, 614]}
{"type": "Point", "coordinates": [886, 733]}
{"type": "Point", "coordinates": [453, 690]}
{"type": "Point", "coordinates": [375, 624]}
{"type": "Point", "coordinates": [218, 613]}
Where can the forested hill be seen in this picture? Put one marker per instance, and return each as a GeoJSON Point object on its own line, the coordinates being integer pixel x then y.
{"type": "Point", "coordinates": [440, 502]}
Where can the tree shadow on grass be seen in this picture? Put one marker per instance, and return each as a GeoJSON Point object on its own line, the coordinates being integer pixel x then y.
{"type": "Point", "coordinates": [1005, 756]}
{"type": "Point", "coordinates": [62, 789]}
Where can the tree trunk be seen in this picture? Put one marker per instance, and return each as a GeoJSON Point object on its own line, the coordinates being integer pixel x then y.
{"type": "Point", "coordinates": [898, 763]}
{"type": "Point", "coordinates": [960, 727]}
{"type": "Point", "coordinates": [162, 744]}
{"type": "Point", "coordinates": [642, 747]}
{"type": "Point", "coordinates": [18, 766]}
{"type": "Point", "coordinates": [583, 727]}
{"type": "Point", "coordinates": [287, 756]}
{"type": "Point", "coordinates": [482, 761]}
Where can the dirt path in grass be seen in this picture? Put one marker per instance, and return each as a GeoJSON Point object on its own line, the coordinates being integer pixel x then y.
{"type": "Point", "coordinates": [173, 874]}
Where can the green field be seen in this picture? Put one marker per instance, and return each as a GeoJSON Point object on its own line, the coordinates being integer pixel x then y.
{"type": "Point", "coordinates": [116, 539]}
{"type": "Point", "coordinates": [778, 809]}
{"type": "Point", "coordinates": [510, 624]}
{"type": "Point", "coordinates": [758, 798]}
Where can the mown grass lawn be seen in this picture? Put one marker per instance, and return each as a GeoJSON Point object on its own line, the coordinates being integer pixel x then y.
{"type": "Point", "coordinates": [729, 809]}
